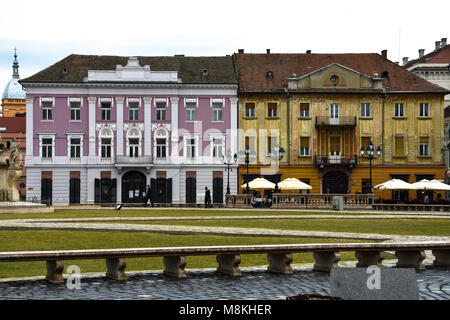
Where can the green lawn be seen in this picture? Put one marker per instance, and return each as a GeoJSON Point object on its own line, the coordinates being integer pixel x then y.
{"type": "Point", "coordinates": [110, 212]}
{"type": "Point", "coordinates": [67, 240]}
{"type": "Point", "coordinates": [438, 227]}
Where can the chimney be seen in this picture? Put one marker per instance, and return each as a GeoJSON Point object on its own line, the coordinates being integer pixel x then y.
{"type": "Point", "coordinates": [437, 45]}
{"type": "Point", "coordinates": [384, 54]}
{"type": "Point", "coordinates": [241, 51]}
{"type": "Point", "coordinates": [443, 42]}
{"type": "Point", "coordinates": [308, 51]}
{"type": "Point", "coordinates": [421, 52]}
{"type": "Point", "coordinates": [268, 51]}
{"type": "Point", "coordinates": [405, 60]}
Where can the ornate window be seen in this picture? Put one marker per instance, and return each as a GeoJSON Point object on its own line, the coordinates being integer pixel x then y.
{"type": "Point", "coordinates": [160, 141]}
{"type": "Point", "coordinates": [133, 110]}
{"type": "Point", "coordinates": [106, 138]}
{"type": "Point", "coordinates": [134, 142]}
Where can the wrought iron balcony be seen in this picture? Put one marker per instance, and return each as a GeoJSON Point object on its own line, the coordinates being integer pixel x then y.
{"type": "Point", "coordinates": [345, 160]}
{"type": "Point", "coordinates": [327, 121]}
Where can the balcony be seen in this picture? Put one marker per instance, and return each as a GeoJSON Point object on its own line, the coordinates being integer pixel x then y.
{"type": "Point", "coordinates": [127, 160]}
{"type": "Point", "coordinates": [345, 160]}
{"type": "Point", "coordinates": [145, 162]}
{"type": "Point", "coordinates": [327, 121]}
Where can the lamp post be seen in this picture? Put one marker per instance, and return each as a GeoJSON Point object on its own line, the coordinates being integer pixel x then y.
{"type": "Point", "coordinates": [277, 153]}
{"type": "Point", "coordinates": [370, 154]}
{"type": "Point", "coordinates": [227, 161]}
{"type": "Point", "coordinates": [246, 155]}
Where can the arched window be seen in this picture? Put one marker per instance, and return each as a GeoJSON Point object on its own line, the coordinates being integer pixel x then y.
{"type": "Point", "coordinates": [160, 144]}
{"type": "Point", "coordinates": [106, 143]}
{"type": "Point", "coordinates": [134, 142]}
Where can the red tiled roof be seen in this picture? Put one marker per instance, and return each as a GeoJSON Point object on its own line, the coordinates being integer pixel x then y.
{"type": "Point", "coordinates": [13, 124]}
{"type": "Point", "coordinates": [252, 70]}
{"type": "Point", "coordinates": [441, 55]}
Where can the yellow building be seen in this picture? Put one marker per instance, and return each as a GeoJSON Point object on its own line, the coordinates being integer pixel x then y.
{"type": "Point", "coordinates": [322, 108]}
{"type": "Point", "coordinates": [13, 98]}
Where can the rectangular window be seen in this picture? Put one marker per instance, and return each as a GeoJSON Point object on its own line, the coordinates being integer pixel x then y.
{"type": "Point", "coordinates": [270, 145]}
{"type": "Point", "coordinates": [75, 148]}
{"type": "Point", "coordinates": [161, 148]}
{"type": "Point", "coordinates": [106, 148]}
{"type": "Point", "coordinates": [218, 148]}
{"type": "Point", "coordinates": [133, 145]}
{"type": "Point", "coordinates": [191, 111]}
{"type": "Point", "coordinates": [217, 111]}
{"type": "Point", "coordinates": [250, 142]}
{"type": "Point", "coordinates": [304, 180]}
{"type": "Point", "coordinates": [424, 110]}
{"type": "Point", "coordinates": [365, 143]}
{"type": "Point", "coordinates": [365, 110]}
{"type": "Point", "coordinates": [160, 111]}
{"type": "Point", "coordinates": [106, 111]}
{"type": "Point", "coordinates": [304, 147]}
{"type": "Point", "coordinates": [304, 110]}
{"type": "Point", "coordinates": [47, 110]}
{"type": "Point", "coordinates": [249, 110]}
{"type": "Point", "coordinates": [133, 110]}
{"type": "Point", "coordinates": [272, 110]}
{"type": "Point", "coordinates": [190, 148]}
{"type": "Point", "coordinates": [399, 110]}
{"type": "Point", "coordinates": [399, 145]}
{"type": "Point", "coordinates": [75, 111]}
{"type": "Point", "coordinates": [47, 148]}
{"type": "Point", "coordinates": [424, 146]}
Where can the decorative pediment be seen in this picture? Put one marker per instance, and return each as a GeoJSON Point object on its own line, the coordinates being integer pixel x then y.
{"type": "Point", "coordinates": [128, 126]}
{"type": "Point", "coordinates": [101, 126]}
{"type": "Point", "coordinates": [335, 76]}
{"type": "Point", "coordinates": [165, 126]}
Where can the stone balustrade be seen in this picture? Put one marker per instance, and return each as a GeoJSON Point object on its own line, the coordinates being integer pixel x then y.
{"type": "Point", "coordinates": [280, 257]}
{"type": "Point", "coordinates": [308, 200]}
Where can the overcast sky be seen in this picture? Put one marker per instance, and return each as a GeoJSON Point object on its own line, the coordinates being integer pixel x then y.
{"type": "Point", "coordinates": [46, 31]}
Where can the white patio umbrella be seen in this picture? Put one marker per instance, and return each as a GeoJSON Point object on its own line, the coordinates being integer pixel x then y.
{"type": "Point", "coordinates": [395, 184]}
{"type": "Point", "coordinates": [259, 184]}
{"type": "Point", "coordinates": [293, 184]}
{"type": "Point", "coordinates": [434, 184]}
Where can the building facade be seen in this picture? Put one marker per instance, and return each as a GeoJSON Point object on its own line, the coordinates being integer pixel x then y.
{"type": "Point", "coordinates": [323, 108]}
{"type": "Point", "coordinates": [13, 97]}
{"type": "Point", "coordinates": [102, 128]}
{"type": "Point", "coordinates": [12, 130]}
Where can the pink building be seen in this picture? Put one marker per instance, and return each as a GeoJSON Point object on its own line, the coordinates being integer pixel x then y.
{"type": "Point", "coordinates": [102, 128]}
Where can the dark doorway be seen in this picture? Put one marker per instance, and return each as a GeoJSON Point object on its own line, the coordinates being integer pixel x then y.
{"type": "Point", "coordinates": [191, 190]}
{"type": "Point", "coordinates": [161, 190]}
{"type": "Point", "coordinates": [218, 190]}
{"type": "Point", "coordinates": [133, 187]}
{"type": "Point", "coordinates": [46, 191]}
{"type": "Point", "coordinates": [74, 192]}
{"type": "Point", "coordinates": [105, 190]}
{"type": "Point", "coordinates": [335, 182]}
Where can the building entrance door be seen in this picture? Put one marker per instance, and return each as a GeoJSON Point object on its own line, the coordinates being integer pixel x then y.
{"type": "Point", "coordinates": [335, 182]}
{"type": "Point", "coordinates": [133, 187]}
{"type": "Point", "coordinates": [335, 149]}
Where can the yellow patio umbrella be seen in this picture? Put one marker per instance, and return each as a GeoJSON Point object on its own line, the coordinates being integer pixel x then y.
{"type": "Point", "coordinates": [259, 184]}
{"type": "Point", "coordinates": [293, 184]}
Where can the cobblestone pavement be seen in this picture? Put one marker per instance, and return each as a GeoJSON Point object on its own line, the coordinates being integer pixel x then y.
{"type": "Point", "coordinates": [254, 283]}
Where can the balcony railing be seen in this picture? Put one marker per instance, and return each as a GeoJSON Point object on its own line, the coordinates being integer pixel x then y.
{"type": "Point", "coordinates": [124, 160]}
{"type": "Point", "coordinates": [346, 160]}
{"type": "Point", "coordinates": [327, 121]}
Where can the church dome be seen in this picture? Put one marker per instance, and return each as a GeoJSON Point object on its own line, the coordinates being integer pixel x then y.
{"type": "Point", "coordinates": [13, 89]}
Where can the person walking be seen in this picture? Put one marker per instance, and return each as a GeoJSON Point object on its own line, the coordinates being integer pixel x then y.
{"type": "Point", "coordinates": [148, 195]}
{"type": "Point", "coordinates": [207, 198]}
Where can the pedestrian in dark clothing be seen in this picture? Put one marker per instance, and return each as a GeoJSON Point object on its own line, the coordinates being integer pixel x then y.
{"type": "Point", "coordinates": [207, 198]}
{"type": "Point", "coordinates": [148, 195]}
